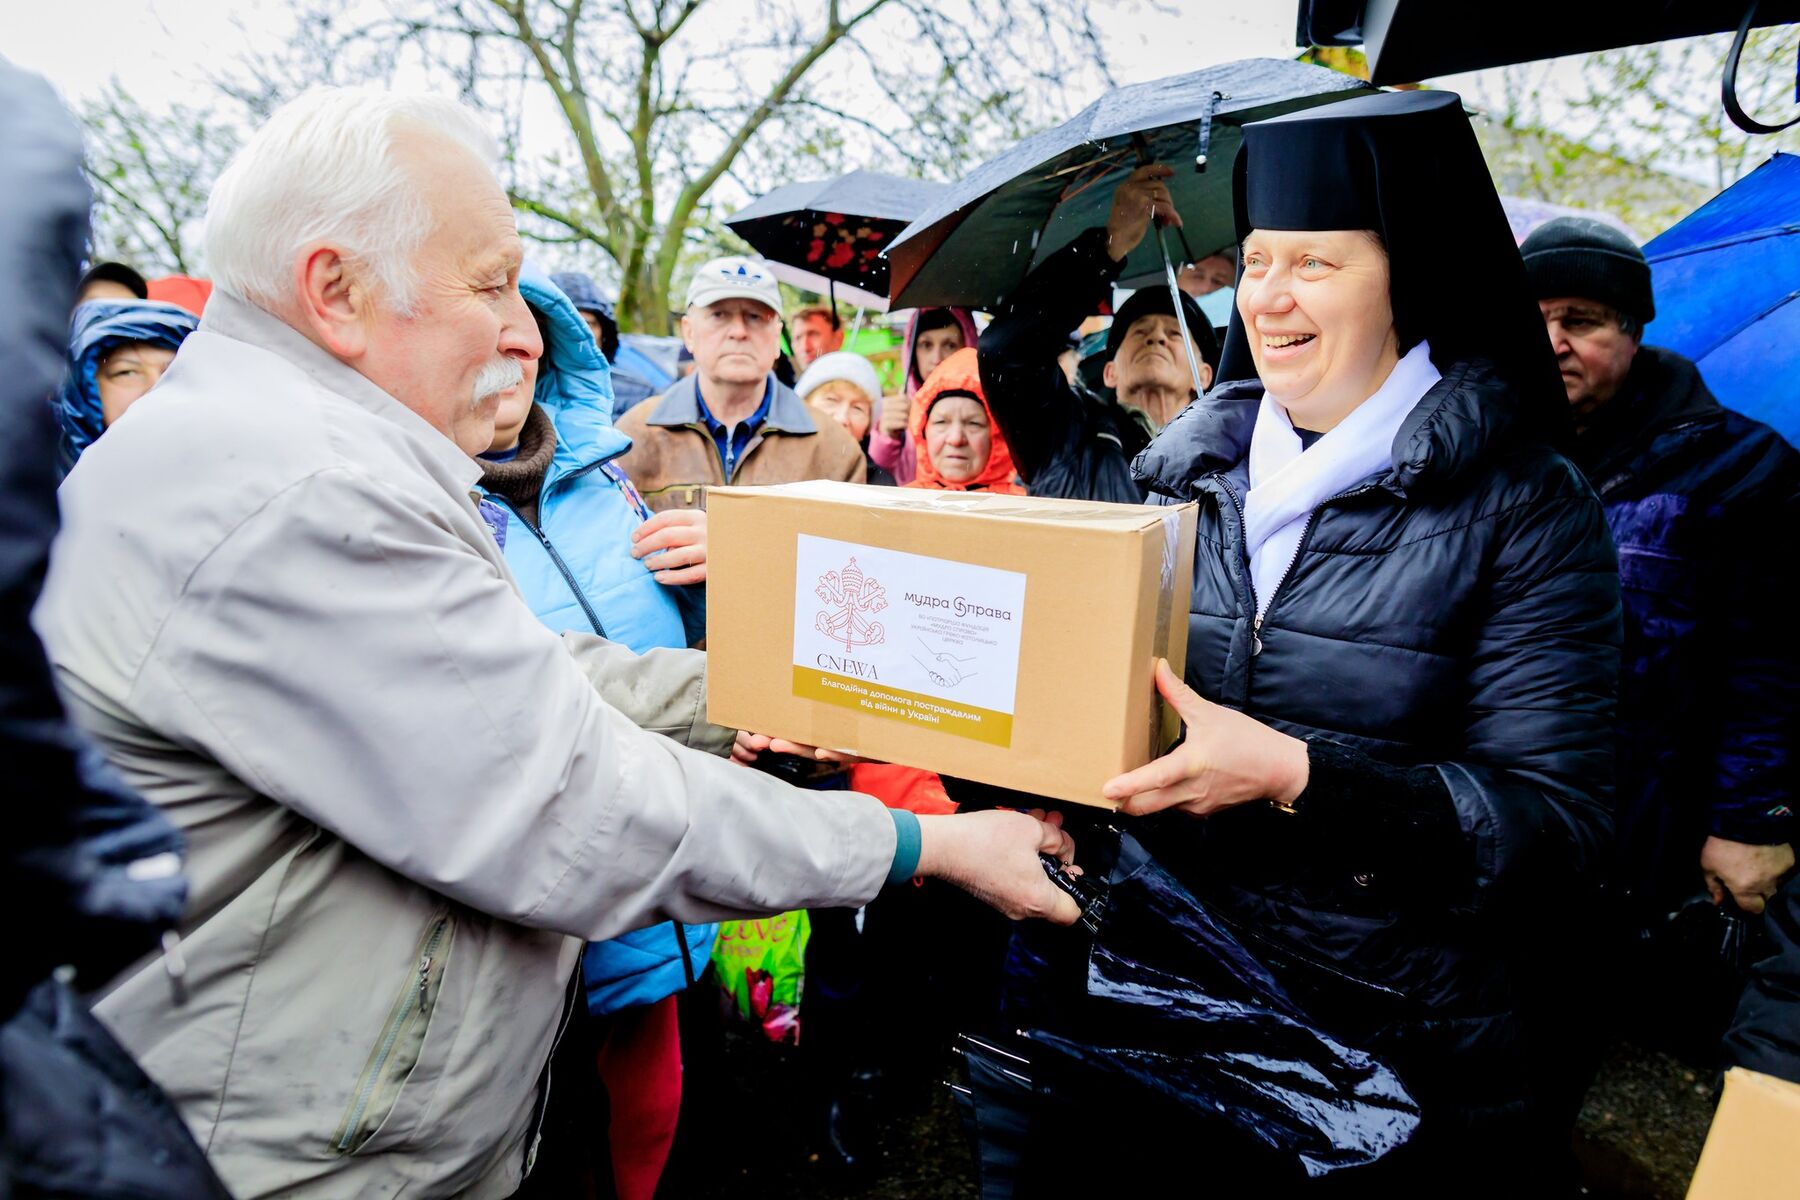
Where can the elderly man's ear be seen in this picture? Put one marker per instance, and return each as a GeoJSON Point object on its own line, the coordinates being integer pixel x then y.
{"type": "Point", "coordinates": [334, 302]}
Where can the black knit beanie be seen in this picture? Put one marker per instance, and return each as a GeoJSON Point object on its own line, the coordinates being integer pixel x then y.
{"type": "Point", "coordinates": [1579, 256]}
{"type": "Point", "coordinates": [1154, 300]}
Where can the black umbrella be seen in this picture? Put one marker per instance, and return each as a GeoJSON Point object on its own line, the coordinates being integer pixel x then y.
{"type": "Point", "coordinates": [986, 233]}
{"type": "Point", "coordinates": [831, 232]}
{"type": "Point", "coordinates": [1409, 40]}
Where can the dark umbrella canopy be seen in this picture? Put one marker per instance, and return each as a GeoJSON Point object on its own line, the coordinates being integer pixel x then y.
{"type": "Point", "coordinates": [1410, 40]}
{"type": "Point", "coordinates": [1727, 281]}
{"type": "Point", "coordinates": [835, 229]}
{"type": "Point", "coordinates": [987, 232]}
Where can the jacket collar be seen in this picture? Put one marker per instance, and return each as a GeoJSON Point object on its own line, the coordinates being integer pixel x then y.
{"type": "Point", "coordinates": [1448, 430]}
{"type": "Point", "coordinates": [229, 317]}
{"type": "Point", "coordinates": [680, 405]}
{"type": "Point", "coordinates": [1662, 399]}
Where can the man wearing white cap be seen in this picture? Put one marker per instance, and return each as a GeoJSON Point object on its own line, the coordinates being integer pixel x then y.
{"type": "Point", "coordinates": [731, 421]}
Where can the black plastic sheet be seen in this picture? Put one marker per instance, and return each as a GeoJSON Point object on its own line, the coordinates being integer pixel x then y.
{"type": "Point", "coordinates": [1173, 1018]}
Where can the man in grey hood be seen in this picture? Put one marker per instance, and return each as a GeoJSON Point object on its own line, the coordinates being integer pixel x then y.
{"type": "Point", "coordinates": [277, 608]}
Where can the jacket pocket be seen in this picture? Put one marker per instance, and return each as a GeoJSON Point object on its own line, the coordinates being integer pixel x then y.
{"type": "Point", "coordinates": [396, 1051]}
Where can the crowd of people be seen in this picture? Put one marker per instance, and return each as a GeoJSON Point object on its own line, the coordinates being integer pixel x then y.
{"type": "Point", "coordinates": [374, 791]}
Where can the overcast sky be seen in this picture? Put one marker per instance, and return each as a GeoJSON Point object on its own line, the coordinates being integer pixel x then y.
{"type": "Point", "coordinates": [160, 48]}
{"type": "Point", "coordinates": [157, 47]}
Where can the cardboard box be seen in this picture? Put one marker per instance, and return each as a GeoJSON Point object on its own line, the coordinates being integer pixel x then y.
{"type": "Point", "coordinates": [1007, 639]}
{"type": "Point", "coordinates": [1753, 1149]}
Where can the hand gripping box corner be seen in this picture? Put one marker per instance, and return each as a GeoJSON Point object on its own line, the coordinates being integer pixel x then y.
{"type": "Point", "coordinates": [1006, 639]}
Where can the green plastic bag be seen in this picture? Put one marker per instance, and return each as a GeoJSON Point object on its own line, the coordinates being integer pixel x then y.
{"type": "Point", "coordinates": [761, 964]}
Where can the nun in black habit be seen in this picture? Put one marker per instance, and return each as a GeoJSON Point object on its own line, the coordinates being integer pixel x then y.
{"type": "Point", "coordinates": [1403, 646]}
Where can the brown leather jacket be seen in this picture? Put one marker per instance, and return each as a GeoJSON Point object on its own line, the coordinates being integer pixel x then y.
{"type": "Point", "coordinates": [673, 458]}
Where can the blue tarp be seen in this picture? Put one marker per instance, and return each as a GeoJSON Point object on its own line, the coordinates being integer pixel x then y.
{"type": "Point", "coordinates": [1727, 285]}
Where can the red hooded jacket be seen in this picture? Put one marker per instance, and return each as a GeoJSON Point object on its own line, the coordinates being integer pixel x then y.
{"type": "Point", "coordinates": [959, 374]}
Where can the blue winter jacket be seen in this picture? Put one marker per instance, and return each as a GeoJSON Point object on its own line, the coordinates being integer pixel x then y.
{"type": "Point", "coordinates": [1702, 503]}
{"type": "Point", "coordinates": [94, 329]}
{"type": "Point", "coordinates": [577, 573]}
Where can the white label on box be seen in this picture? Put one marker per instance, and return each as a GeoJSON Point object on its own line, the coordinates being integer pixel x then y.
{"type": "Point", "coordinates": [908, 637]}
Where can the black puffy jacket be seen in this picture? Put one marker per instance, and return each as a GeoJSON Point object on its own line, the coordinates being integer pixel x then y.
{"type": "Point", "coordinates": [1456, 614]}
{"type": "Point", "coordinates": [1065, 440]}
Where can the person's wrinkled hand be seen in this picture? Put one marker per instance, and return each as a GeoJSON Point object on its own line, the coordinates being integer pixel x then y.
{"type": "Point", "coordinates": [1226, 758]}
{"type": "Point", "coordinates": [750, 746]}
{"type": "Point", "coordinates": [672, 545]}
{"type": "Point", "coordinates": [895, 410]}
{"type": "Point", "coordinates": [994, 857]}
{"type": "Point", "coordinates": [1143, 193]}
{"type": "Point", "coordinates": [1746, 873]}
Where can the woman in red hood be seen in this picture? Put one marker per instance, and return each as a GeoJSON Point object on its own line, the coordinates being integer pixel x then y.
{"type": "Point", "coordinates": [954, 435]}
{"type": "Point", "coordinates": [932, 335]}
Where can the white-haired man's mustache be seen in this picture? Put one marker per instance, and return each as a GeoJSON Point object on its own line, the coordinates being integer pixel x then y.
{"type": "Point", "coordinates": [504, 372]}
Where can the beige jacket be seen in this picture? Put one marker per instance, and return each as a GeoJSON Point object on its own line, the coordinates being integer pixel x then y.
{"type": "Point", "coordinates": [276, 607]}
{"type": "Point", "coordinates": [673, 458]}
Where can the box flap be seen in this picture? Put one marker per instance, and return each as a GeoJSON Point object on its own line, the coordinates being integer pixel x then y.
{"type": "Point", "coordinates": [995, 505]}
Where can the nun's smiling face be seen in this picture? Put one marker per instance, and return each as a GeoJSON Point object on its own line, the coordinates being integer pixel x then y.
{"type": "Point", "coordinates": [1316, 311]}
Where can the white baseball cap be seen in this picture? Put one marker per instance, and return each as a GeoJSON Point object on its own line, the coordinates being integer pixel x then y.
{"type": "Point", "coordinates": [734, 278]}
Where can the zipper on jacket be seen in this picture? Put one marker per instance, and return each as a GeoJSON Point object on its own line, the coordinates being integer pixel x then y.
{"type": "Point", "coordinates": [1262, 610]}
{"type": "Point", "coordinates": [409, 1015]}
{"type": "Point", "coordinates": [571, 997]}
{"type": "Point", "coordinates": [561, 566]}
{"type": "Point", "coordinates": [1299, 549]}
{"type": "Point", "coordinates": [1243, 547]}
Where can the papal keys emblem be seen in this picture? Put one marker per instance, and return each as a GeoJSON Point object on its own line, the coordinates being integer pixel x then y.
{"type": "Point", "coordinates": [852, 596]}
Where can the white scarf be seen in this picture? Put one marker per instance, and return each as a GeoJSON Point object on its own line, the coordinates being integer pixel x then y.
{"type": "Point", "coordinates": [1287, 481]}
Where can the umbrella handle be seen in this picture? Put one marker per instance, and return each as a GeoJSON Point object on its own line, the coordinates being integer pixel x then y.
{"type": "Point", "coordinates": [1187, 338]}
{"type": "Point", "coordinates": [1728, 85]}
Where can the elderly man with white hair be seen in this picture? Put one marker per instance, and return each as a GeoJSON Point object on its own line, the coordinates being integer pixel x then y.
{"type": "Point", "coordinates": [276, 606]}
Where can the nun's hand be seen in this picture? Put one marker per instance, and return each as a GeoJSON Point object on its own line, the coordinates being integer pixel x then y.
{"type": "Point", "coordinates": [672, 545]}
{"type": "Point", "coordinates": [1143, 193]}
{"type": "Point", "coordinates": [1227, 758]}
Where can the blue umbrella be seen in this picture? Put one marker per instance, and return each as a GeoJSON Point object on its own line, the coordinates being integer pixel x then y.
{"type": "Point", "coordinates": [1727, 278]}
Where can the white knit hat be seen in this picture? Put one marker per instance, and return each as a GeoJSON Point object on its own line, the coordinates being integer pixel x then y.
{"type": "Point", "coordinates": [840, 364]}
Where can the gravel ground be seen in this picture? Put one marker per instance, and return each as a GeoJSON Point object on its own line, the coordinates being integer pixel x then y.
{"type": "Point", "coordinates": [1643, 1124]}
{"type": "Point", "coordinates": [1638, 1138]}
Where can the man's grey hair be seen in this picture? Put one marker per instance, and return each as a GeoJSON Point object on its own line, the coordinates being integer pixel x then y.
{"type": "Point", "coordinates": [324, 169]}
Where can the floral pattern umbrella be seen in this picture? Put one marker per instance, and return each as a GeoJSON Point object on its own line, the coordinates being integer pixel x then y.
{"type": "Point", "coordinates": [835, 229]}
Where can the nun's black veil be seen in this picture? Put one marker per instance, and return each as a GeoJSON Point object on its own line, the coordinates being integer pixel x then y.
{"type": "Point", "coordinates": [1406, 165]}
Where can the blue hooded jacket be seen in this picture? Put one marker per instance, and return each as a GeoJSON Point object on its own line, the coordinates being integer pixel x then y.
{"type": "Point", "coordinates": [96, 328]}
{"type": "Point", "coordinates": [575, 561]}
